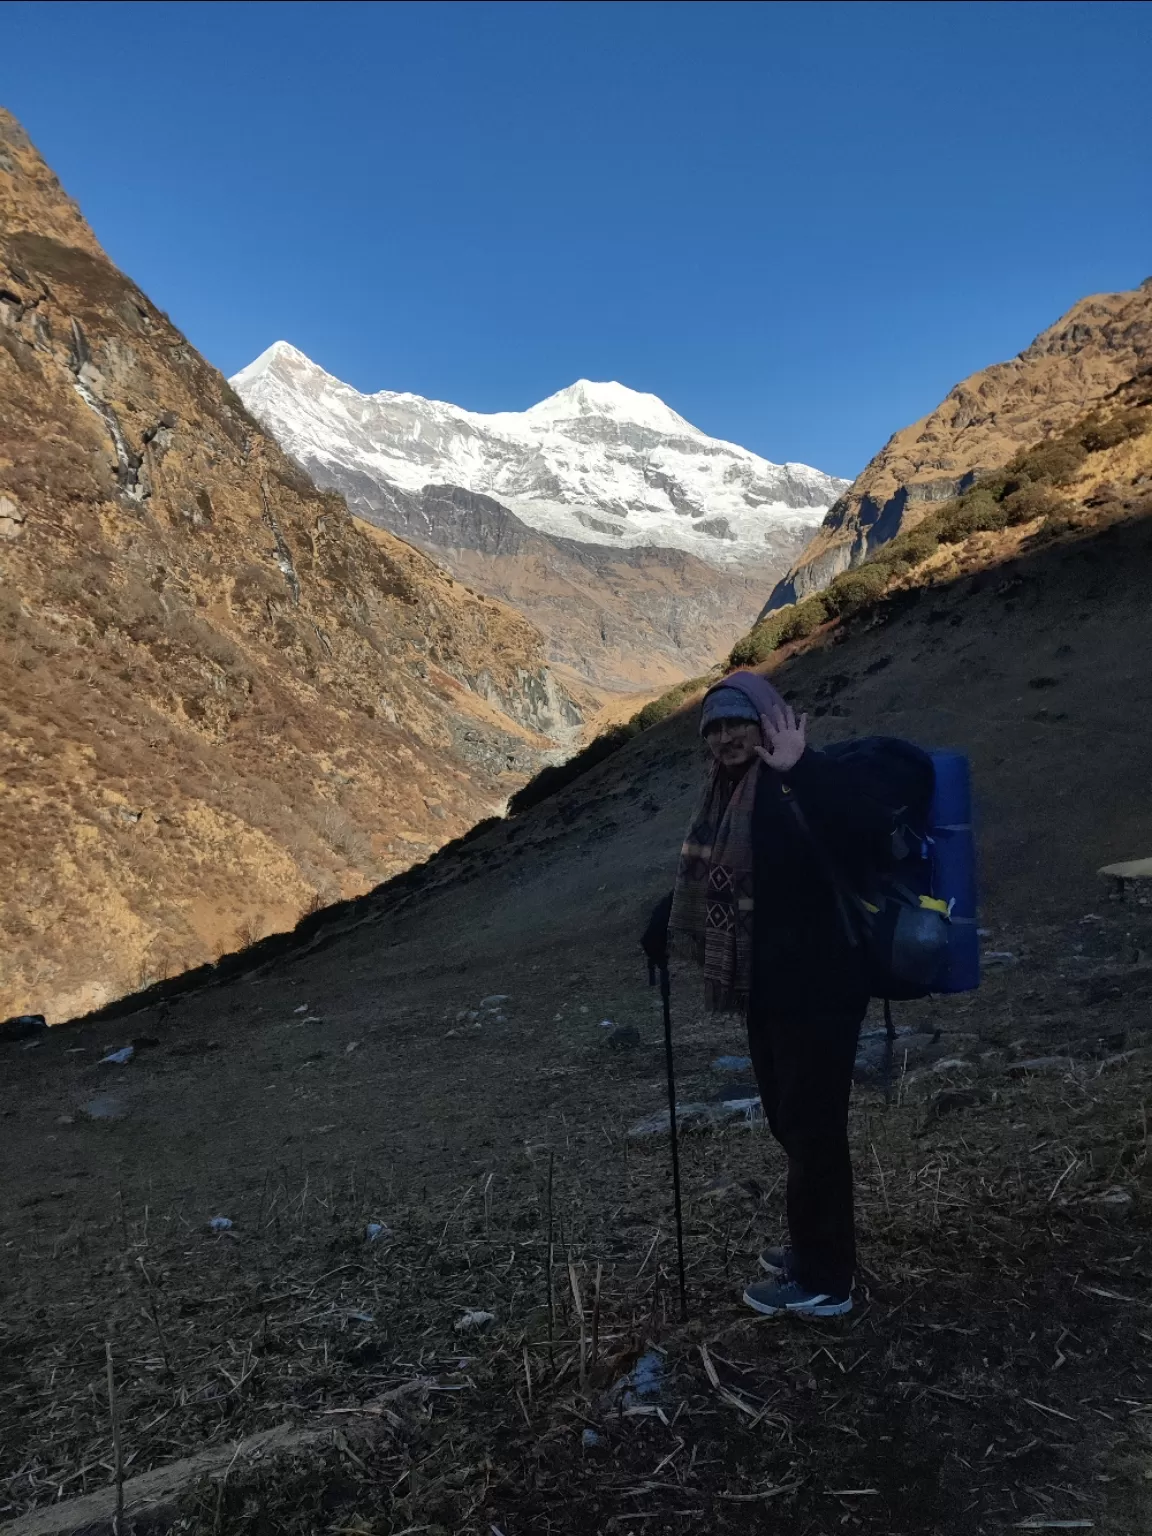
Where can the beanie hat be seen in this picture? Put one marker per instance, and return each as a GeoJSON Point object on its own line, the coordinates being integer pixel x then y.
{"type": "Point", "coordinates": [727, 704]}
{"type": "Point", "coordinates": [740, 696]}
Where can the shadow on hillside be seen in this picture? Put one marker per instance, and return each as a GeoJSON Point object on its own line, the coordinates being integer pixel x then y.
{"type": "Point", "coordinates": [1124, 541]}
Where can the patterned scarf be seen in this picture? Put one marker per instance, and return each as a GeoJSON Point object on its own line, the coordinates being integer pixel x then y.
{"type": "Point", "coordinates": [712, 902]}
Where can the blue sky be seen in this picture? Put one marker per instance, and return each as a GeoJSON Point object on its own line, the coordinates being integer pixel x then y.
{"type": "Point", "coordinates": [798, 224]}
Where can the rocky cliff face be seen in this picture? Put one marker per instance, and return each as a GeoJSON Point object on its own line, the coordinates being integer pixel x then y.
{"type": "Point", "coordinates": [620, 619]}
{"type": "Point", "coordinates": [1097, 346]}
{"type": "Point", "coordinates": [638, 544]}
{"type": "Point", "coordinates": [224, 699]}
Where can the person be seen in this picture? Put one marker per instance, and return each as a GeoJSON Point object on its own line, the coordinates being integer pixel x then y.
{"type": "Point", "coordinates": [779, 831]}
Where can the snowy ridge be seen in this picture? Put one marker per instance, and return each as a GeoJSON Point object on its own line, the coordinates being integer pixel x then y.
{"type": "Point", "coordinates": [597, 462]}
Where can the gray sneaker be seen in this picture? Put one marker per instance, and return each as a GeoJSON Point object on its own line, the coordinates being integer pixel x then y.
{"type": "Point", "coordinates": [772, 1296]}
{"type": "Point", "coordinates": [775, 1261]}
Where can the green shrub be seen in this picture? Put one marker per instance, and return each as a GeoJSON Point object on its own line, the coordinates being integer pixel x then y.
{"type": "Point", "coordinates": [1098, 435]}
{"type": "Point", "coordinates": [804, 619]}
{"type": "Point", "coordinates": [857, 589]}
{"type": "Point", "coordinates": [1055, 526]}
{"type": "Point", "coordinates": [762, 641]}
{"type": "Point", "coordinates": [1055, 462]}
{"type": "Point", "coordinates": [1030, 502]}
{"type": "Point", "coordinates": [750, 651]}
{"type": "Point", "coordinates": [977, 512]}
{"type": "Point", "coordinates": [996, 485]}
{"type": "Point", "coordinates": [913, 548]}
{"type": "Point", "coordinates": [667, 704]}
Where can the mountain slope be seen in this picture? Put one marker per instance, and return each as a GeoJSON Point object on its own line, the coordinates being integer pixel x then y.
{"type": "Point", "coordinates": [619, 619]}
{"type": "Point", "coordinates": [639, 545]}
{"type": "Point", "coordinates": [1101, 342]}
{"type": "Point", "coordinates": [224, 700]}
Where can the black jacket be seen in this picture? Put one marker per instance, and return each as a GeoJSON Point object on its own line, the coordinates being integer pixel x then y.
{"type": "Point", "coordinates": [802, 930]}
{"type": "Point", "coordinates": [804, 936]}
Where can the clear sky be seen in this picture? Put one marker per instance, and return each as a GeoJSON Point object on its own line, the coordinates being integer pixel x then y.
{"type": "Point", "coordinates": [798, 224]}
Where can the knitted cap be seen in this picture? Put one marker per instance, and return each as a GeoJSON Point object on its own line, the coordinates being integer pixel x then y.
{"type": "Point", "coordinates": [727, 704]}
{"type": "Point", "coordinates": [740, 696]}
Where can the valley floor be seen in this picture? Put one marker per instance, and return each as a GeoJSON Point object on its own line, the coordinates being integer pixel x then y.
{"type": "Point", "coordinates": [994, 1375]}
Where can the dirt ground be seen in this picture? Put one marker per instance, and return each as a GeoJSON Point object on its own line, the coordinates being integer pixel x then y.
{"type": "Point", "coordinates": [994, 1374]}
{"type": "Point", "coordinates": [994, 1371]}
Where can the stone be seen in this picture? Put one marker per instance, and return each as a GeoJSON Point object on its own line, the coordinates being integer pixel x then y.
{"type": "Point", "coordinates": [643, 1383]}
{"type": "Point", "coordinates": [1115, 1202]}
{"type": "Point", "coordinates": [24, 1026]}
{"type": "Point", "coordinates": [105, 1106]}
{"type": "Point", "coordinates": [1134, 869]}
{"type": "Point", "coordinates": [877, 1059]}
{"type": "Point", "coordinates": [700, 1117]}
{"type": "Point", "coordinates": [473, 1320]}
{"type": "Point", "coordinates": [11, 519]}
{"type": "Point", "coordinates": [951, 1100]}
{"type": "Point", "coordinates": [1132, 879]}
{"type": "Point", "coordinates": [623, 1038]}
{"type": "Point", "coordinates": [732, 1064]}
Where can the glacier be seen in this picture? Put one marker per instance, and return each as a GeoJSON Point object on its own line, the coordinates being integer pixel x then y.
{"type": "Point", "coordinates": [596, 462]}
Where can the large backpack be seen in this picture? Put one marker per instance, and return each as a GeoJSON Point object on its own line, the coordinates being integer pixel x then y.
{"type": "Point", "coordinates": [916, 914]}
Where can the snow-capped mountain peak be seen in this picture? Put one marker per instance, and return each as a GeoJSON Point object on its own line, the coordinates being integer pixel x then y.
{"type": "Point", "coordinates": [279, 351]}
{"type": "Point", "coordinates": [596, 462]}
{"type": "Point", "coordinates": [612, 401]}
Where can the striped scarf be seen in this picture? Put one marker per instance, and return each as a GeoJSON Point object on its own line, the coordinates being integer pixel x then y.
{"type": "Point", "coordinates": [712, 901]}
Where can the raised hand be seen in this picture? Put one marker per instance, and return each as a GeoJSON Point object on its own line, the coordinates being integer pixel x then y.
{"type": "Point", "coordinates": [785, 738]}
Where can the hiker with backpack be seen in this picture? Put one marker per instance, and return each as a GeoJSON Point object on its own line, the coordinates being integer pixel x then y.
{"type": "Point", "coordinates": [771, 896]}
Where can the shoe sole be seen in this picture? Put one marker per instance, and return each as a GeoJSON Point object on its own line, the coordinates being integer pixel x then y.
{"type": "Point", "coordinates": [819, 1309]}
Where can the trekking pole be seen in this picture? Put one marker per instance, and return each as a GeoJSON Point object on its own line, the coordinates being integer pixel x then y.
{"type": "Point", "coordinates": [666, 998]}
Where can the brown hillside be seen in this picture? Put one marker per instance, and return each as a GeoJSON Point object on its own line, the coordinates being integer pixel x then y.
{"type": "Point", "coordinates": [1101, 342]}
{"type": "Point", "coordinates": [621, 621]}
{"type": "Point", "coordinates": [433, 1062]}
{"type": "Point", "coordinates": [223, 701]}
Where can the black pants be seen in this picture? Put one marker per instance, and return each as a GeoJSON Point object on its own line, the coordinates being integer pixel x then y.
{"type": "Point", "coordinates": [803, 1053]}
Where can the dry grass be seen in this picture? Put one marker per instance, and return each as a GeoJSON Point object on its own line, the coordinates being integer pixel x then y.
{"type": "Point", "coordinates": [210, 650]}
{"type": "Point", "coordinates": [988, 1376]}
